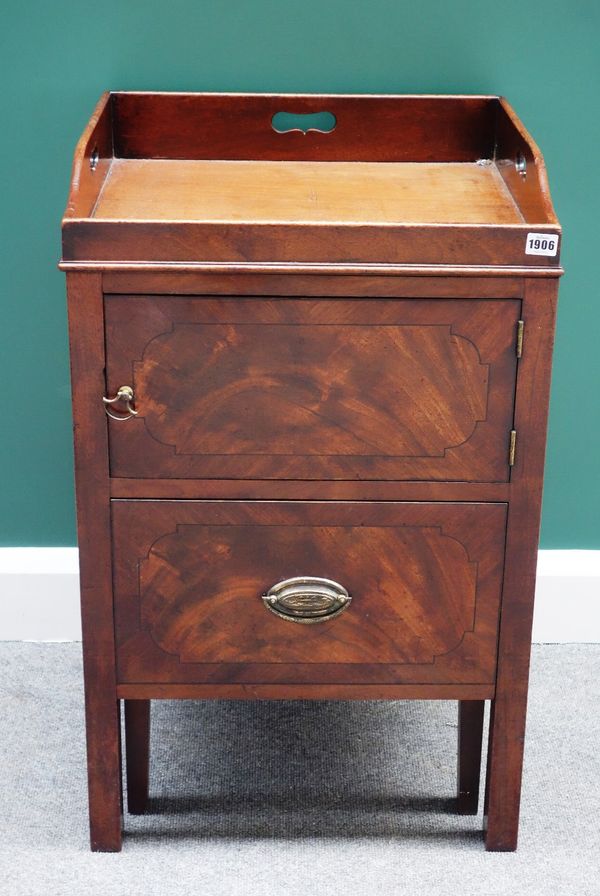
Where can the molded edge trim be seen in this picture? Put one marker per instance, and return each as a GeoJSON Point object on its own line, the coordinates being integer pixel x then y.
{"type": "Point", "coordinates": [366, 270]}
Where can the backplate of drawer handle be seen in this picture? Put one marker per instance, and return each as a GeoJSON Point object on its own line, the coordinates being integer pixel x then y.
{"type": "Point", "coordinates": [307, 599]}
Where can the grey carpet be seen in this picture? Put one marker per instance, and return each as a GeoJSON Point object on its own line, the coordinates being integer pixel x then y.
{"type": "Point", "coordinates": [295, 799]}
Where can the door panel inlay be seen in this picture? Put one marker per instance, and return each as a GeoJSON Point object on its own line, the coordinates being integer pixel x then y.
{"type": "Point", "coordinates": [282, 388]}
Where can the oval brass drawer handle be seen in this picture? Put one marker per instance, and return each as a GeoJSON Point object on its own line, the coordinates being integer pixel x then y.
{"type": "Point", "coordinates": [124, 394]}
{"type": "Point", "coordinates": [307, 599]}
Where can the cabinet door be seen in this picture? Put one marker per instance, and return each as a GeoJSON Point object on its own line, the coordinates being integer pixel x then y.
{"type": "Point", "coordinates": [194, 587]}
{"type": "Point", "coordinates": [312, 389]}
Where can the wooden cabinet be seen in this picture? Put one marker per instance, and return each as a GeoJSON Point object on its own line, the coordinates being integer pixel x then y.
{"type": "Point", "coordinates": [310, 385]}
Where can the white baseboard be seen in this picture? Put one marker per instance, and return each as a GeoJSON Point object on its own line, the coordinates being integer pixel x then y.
{"type": "Point", "coordinates": [39, 596]}
{"type": "Point", "coordinates": [567, 598]}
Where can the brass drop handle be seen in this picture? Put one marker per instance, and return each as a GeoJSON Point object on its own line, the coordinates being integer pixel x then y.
{"type": "Point", "coordinates": [125, 395]}
{"type": "Point", "coordinates": [307, 599]}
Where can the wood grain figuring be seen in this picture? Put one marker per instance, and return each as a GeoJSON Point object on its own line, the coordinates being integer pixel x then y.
{"type": "Point", "coordinates": [293, 192]}
{"type": "Point", "coordinates": [425, 581]}
{"type": "Point", "coordinates": [217, 615]}
{"type": "Point", "coordinates": [317, 389]}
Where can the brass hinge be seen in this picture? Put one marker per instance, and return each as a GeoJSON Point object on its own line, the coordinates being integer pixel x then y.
{"type": "Point", "coordinates": [520, 328]}
{"type": "Point", "coordinates": [512, 447]}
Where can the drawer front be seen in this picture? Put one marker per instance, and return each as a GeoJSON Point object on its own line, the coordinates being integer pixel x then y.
{"type": "Point", "coordinates": [192, 581]}
{"type": "Point", "coordinates": [313, 389]}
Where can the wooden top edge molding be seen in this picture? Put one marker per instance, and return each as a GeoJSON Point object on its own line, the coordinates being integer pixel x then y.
{"type": "Point", "coordinates": [292, 94]}
{"type": "Point", "coordinates": [366, 270]}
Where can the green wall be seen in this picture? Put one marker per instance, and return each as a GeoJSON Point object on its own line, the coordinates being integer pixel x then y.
{"type": "Point", "coordinates": [58, 57]}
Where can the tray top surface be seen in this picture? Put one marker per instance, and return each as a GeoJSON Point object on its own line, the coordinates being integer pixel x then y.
{"type": "Point", "coordinates": [207, 179]}
{"type": "Point", "coordinates": [306, 192]}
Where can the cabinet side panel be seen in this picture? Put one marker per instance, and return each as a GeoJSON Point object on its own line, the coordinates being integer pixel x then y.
{"type": "Point", "coordinates": [508, 719]}
{"type": "Point", "coordinates": [86, 332]}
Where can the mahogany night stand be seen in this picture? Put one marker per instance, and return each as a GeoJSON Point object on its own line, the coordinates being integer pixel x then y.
{"type": "Point", "coordinates": [311, 343]}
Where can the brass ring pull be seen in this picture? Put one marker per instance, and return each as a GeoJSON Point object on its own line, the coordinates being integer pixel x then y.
{"type": "Point", "coordinates": [124, 394]}
{"type": "Point", "coordinates": [307, 599]}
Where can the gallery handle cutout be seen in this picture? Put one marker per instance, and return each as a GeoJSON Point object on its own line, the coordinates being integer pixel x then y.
{"type": "Point", "coordinates": [305, 122]}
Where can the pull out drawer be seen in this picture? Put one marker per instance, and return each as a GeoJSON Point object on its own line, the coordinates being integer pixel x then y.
{"type": "Point", "coordinates": [312, 389]}
{"type": "Point", "coordinates": [195, 600]}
